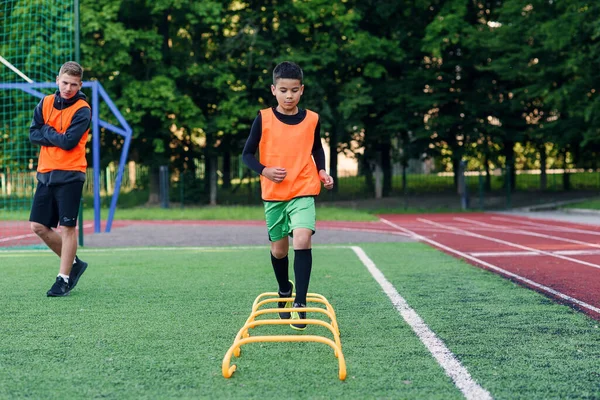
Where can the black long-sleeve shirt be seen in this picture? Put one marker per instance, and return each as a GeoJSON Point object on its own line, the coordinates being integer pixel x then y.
{"type": "Point", "coordinates": [44, 135]}
{"type": "Point", "coordinates": [248, 155]}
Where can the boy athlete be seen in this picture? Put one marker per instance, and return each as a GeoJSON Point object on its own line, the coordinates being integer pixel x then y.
{"type": "Point", "coordinates": [60, 127]}
{"type": "Point", "coordinates": [288, 138]}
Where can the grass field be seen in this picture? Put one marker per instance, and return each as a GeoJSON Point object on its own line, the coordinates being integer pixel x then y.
{"type": "Point", "coordinates": [156, 323]}
{"type": "Point", "coordinates": [592, 204]}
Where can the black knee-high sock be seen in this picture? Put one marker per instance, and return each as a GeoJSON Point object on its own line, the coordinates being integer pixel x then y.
{"type": "Point", "coordinates": [280, 267]}
{"type": "Point", "coordinates": [302, 269]}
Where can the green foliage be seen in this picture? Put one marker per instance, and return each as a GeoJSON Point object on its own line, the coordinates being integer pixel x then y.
{"type": "Point", "coordinates": [403, 80]}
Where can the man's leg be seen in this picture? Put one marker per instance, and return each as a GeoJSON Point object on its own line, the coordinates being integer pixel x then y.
{"type": "Point", "coordinates": [52, 239]}
{"type": "Point", "coordinates": [68, 199]}
{"type": "Point", "coordinates": [69, 249]}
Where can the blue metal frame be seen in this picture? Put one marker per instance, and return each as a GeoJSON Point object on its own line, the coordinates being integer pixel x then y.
{"type": "Point", "coordinates": [125, 131]}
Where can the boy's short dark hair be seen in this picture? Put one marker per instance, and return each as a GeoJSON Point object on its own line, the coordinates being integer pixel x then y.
{"type": "Point", "coordinates": [71, 68]}
{"type": "Point", "coordinates": [287, 70]}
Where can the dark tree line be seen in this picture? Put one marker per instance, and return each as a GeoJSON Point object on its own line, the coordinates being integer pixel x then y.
{"type": "Point", "coordinates": [501, 83]}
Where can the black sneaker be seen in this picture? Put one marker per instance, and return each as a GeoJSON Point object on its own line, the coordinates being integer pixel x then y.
{"type": "Point", "coordinates": [59, 289]}
{"type": "Point", "coordinates": [298, 315]}
{"type": "Point", "coordinates": [286, 304]}
{"type": "Point", "coordinates": [76, 271]}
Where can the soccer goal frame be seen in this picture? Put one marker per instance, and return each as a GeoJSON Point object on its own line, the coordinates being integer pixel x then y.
{"type": "Point", "coordinates": [124, 130]}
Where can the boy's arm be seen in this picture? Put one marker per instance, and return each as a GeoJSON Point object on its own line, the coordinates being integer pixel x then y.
{"type": "Point", "coordinates": [67, 141]}
{"type": "Point", "coordinates": [317, 150]}
{"type": "Point", "coordinates": [36, 136]}
{"type": "Point", "coordinates": [248, 155]}
{"type": "Point", "coordinates": [319, 156]}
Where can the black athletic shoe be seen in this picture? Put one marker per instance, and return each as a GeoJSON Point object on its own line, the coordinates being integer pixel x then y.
{"type": "Point", "coordinates": [59, 289]}
{"type": "Point", "coordinates": [298, 315]}
{"type": "Point", "coordinates": [286, 304]}
{"type": "Point", "coordinates": [76, 271]}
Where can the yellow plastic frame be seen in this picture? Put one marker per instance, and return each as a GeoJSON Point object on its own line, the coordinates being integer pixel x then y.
{"type": "Point", "coordinates": [243, 336]}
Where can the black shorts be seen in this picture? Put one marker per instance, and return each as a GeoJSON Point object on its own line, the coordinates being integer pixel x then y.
{"type": "Point", "coordinates": [56, 203]}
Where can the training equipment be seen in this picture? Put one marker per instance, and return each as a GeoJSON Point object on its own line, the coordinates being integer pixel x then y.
{"type": "Point", "coordinates": [243, 337]}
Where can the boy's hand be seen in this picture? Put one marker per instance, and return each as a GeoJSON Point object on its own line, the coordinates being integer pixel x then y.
{"type": "Point", "coordinates": [275, 174]}
{"type": "Point", "coordinates": [326, 179]}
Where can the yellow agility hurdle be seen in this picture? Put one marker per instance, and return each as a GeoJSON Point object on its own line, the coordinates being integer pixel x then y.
{"type": "Point", "coordinates": [243, 336]}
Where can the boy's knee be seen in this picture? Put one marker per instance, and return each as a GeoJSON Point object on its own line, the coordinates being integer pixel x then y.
{"type": "Point", "coordinates": [280, 248]}
{"type": "Point", "coordinates": [279, 253]}
{"type": "Point", "coordinates": [302, 239]}
{"type": "Point", "coordinates": [38, 228]}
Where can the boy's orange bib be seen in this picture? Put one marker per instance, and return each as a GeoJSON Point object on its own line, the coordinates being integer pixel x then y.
{"type": "Point", "coordinates": [289, 147]}
{"type": "Point", "coordinates": [55, 158]}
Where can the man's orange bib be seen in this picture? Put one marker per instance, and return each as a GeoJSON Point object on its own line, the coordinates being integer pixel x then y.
{"type": "Point", "coordinates": [289, 147]}
{"type": "Point", "coordinates": [55, 158]}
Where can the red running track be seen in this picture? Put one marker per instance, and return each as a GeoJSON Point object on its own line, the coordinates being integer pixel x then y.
{"type": "Point", "coordinates": [559, 259]}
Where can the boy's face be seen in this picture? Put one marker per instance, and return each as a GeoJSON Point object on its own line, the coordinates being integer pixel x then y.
{"type": "Point", "coordinates": [68, 85]}
{"type": "Point", "coordinates": [288, 93]}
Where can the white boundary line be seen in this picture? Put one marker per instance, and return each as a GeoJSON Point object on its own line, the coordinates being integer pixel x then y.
{"type": "Point", "coordinates": [498, 269]}
{"type": "Point", "coordinates": [447, 360]}
{"type": "Point", "coordinates": [504, 242]}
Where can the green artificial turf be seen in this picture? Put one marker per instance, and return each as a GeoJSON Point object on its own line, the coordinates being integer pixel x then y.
{"type": "Point", "coordinates": [152, 323]}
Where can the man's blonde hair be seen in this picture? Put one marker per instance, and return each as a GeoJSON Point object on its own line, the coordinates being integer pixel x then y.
{"type": "Point", "coordinates": [71, 68]}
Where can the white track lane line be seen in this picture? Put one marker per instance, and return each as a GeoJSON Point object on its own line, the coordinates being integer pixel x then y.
{"type": "Point", "coordinates": [528, 233]}
{"type": "Point", "coordinates": [502, 253]}
{"type": "Point", "coordinates": [491, 239]}
{"type": "Point", "coordinates": [447, 360]}
{"type": "Point", "coordinates": [496, 268]}
{"type": "Point", "coordinates": [548, 226]}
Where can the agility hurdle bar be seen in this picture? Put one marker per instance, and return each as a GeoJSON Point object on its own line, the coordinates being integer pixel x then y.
{"type": "Point", "coordinates": [243, 336]}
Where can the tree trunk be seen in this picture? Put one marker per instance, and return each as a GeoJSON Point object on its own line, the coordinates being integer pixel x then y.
{"type": "Point", "coordinates": [565, 178]}
{"type": "Point", "coordinates": [154, 197]}
{"type": "Point", "coordinates": [367, 171]}
{"type": "Point", "coordinates": [509, 152]}
{"type": "Point", "coordinates": [227, 169]}
{"type": "Point", "coordinates": [386, 166]}
{"type": "Point", "coordinates": [213, 180]}
{"type": "Point", "coordinates": [543, 174]}
{"type": "Point", "coordinates": [456, 169]}
{"type": "Point", "coordinates": [488, 176]}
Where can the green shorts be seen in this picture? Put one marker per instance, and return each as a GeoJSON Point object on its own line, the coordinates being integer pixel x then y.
{"type": "Point", "coordinates": [285, 216]}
